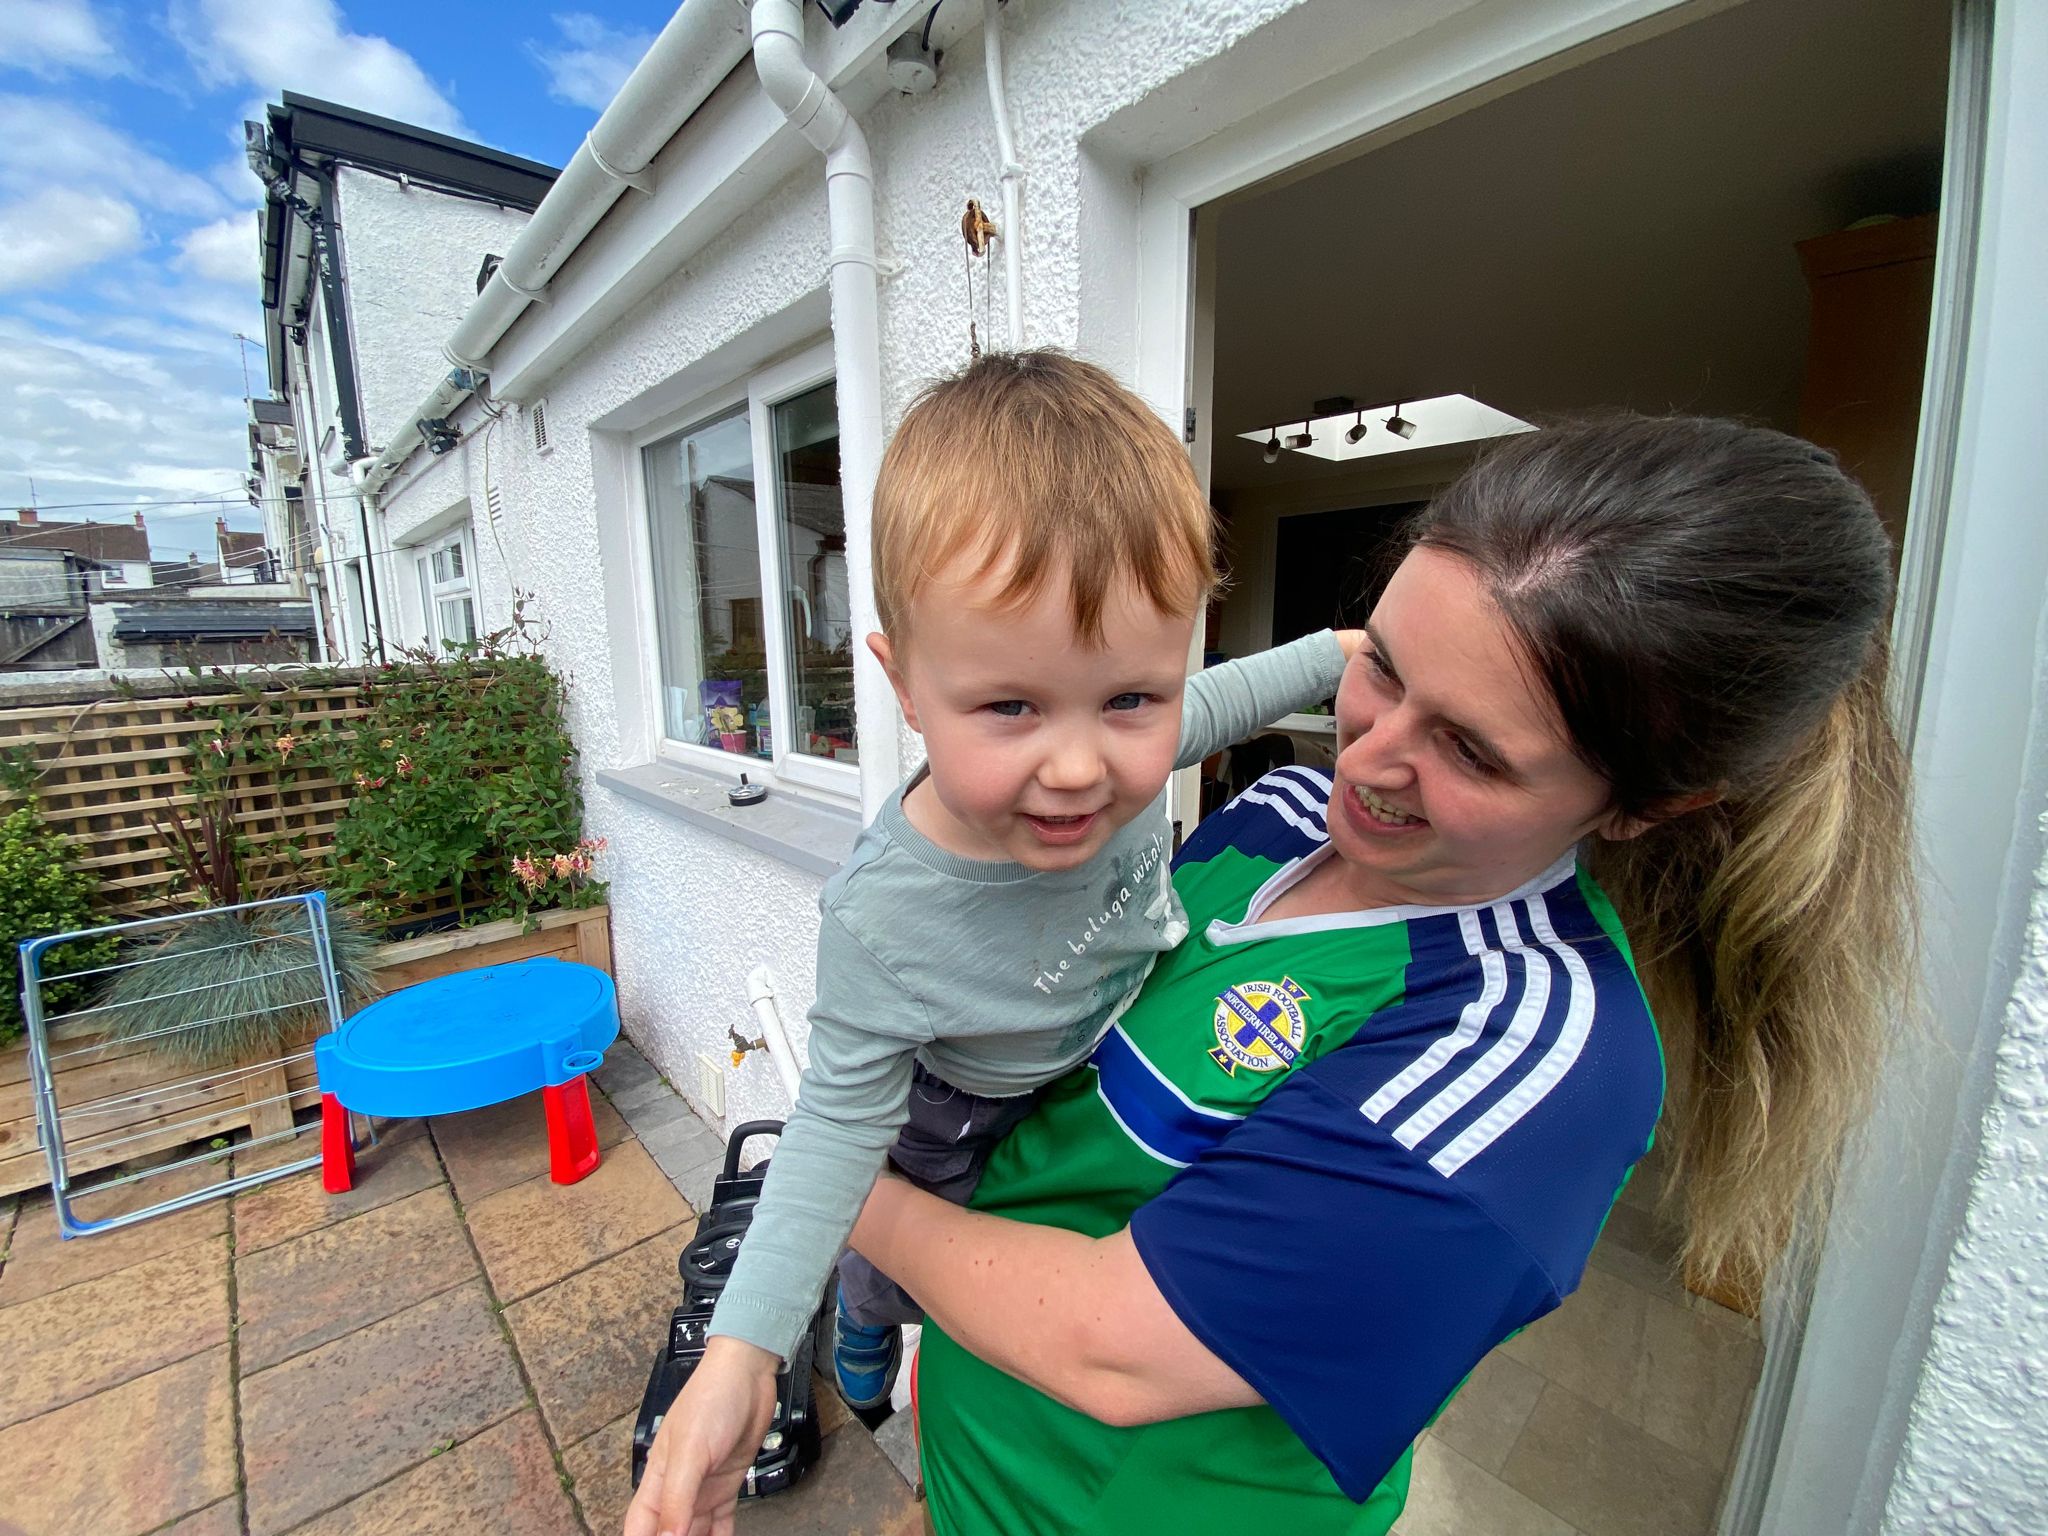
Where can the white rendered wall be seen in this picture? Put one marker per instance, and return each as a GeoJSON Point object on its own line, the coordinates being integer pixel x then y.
{"type": "Point", "coordinates": [412, 256]}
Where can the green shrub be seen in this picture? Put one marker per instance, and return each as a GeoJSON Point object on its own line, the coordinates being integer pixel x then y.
{"type": "Point", "coordinates": [42, 892]}
{"type": "Point", "coordinates": [461, 776]}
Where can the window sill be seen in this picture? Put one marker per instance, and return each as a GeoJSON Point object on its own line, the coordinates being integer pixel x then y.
{"type": "Point", "coordinates": [798, 829]}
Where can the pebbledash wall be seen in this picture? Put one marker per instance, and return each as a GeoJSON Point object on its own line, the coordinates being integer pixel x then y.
{"type": "Point", "coordinates": [694, 910]}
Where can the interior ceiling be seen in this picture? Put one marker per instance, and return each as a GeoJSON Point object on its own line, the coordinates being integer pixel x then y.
{"type": "Point", "coordinates": [1618, 234]}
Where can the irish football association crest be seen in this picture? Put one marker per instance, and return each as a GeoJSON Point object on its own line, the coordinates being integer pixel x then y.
{"type": "Point", "coordinates": [1259, 1026]}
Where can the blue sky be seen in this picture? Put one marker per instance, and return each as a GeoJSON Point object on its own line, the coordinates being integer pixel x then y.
{"type": "Point", "coordinates": [127, 227]}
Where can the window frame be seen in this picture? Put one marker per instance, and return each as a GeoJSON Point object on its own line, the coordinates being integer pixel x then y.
{"type": "Point", "coordinates": [760, 392]}
{"type": "Point", "coordinates": [434, 593]}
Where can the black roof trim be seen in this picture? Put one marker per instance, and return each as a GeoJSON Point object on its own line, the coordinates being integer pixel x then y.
{"type": "Point", "coordinates": [274, 413]}
{"type": "Point", "coordinates": [324, 128]}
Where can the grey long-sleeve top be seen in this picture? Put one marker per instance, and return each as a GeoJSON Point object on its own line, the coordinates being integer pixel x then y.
{"type": "Point", "coordinates": [1000, 978]}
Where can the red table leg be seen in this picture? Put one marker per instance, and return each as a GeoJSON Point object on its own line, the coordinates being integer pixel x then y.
{"type": "Point", "coordinates": [572, 1134]}
{"type": "Point", "coordinates": [337, 1147]}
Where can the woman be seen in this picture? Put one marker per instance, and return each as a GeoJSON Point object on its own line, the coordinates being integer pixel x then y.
{"type": "Point", "coordinates": [1367, 1121]}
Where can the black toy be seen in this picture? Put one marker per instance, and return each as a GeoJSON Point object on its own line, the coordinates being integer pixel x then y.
{"type": "Point", "coordinates": [792, 1442]}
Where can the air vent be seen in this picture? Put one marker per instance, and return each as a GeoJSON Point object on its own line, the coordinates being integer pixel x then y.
{"type": "Point", "coordinates": [494, 502]}
{"type": "Point", "coordinates": [541, 441]}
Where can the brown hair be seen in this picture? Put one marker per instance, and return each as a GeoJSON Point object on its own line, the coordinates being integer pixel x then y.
{"type": "Point", "coordinates": [1044, 465]}
{"type": "Point", "coordinates": [1707, 603]}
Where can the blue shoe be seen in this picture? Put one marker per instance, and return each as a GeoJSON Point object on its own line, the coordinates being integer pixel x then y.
{"type": "Point", "coordinates": [864, 1359]}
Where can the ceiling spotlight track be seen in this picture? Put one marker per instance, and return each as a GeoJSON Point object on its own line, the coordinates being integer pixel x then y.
{"type": "Point", "coordinates": [1272, 453]}
{"type": "Point", "coordinates": [1339, 429]}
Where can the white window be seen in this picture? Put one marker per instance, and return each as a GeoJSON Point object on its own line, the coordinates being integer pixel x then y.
{"type": "Point", "coordinates": [446, 592]}
{"type": "Point", "coordinates": [746, 539]}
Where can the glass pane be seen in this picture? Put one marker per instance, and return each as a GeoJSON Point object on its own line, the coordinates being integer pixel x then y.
{"type": "Point", "coordinates": [707, 586]}
{"type": "Point", "coordinates": [814, 575]}
{"type": "Point", "coordinates": [458, 619]}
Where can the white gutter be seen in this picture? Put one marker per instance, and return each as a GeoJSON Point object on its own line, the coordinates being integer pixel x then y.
{"type": "Point", "coordinates": [821, 117]}
{"type": "Point", "coordinates": [1013, 170]}
{"type": "Point", "coordinates": [703, 43]}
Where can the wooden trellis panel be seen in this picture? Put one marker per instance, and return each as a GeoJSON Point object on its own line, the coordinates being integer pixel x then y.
{"type": "Point", "coordinates": [115, 766]}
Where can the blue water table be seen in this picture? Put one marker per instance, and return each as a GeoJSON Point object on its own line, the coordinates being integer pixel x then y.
{"type": "Point", "coordinates": [467, 1040]}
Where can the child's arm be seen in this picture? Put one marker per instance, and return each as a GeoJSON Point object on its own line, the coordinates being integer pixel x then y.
{"type": "Point", "coordinates": [1227, 703]}
{"type": "Point", "coordinates": [853, 1099]}
{"type": "Point", "coordinates": [852, 1103]}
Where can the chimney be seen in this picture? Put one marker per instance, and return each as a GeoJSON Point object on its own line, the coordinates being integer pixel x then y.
{"type": "Point", "coordinates": [140, 525]}
{"type": "Point", "coordinates": [26, 516]}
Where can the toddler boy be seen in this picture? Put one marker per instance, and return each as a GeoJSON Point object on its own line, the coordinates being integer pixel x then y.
{"type": "Point", "coordinates": [1042, 553]}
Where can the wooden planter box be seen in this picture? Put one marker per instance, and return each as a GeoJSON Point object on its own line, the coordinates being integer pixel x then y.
{"type": "Point", "coordinates": [166, 1095]}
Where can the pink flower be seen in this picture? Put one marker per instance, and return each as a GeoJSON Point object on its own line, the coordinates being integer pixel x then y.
{"type": "Point", "coordinates": [564, 866]}
{"type": "Point", "coordinates": [286, 743]}
{"type": "Point", "coordinates": [220, 747]}
{"type": "Point", "coordinates": [404, 765]}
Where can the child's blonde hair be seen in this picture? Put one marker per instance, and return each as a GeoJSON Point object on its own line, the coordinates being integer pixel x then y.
{"type": "Point", "coordinates": [1043, 466]}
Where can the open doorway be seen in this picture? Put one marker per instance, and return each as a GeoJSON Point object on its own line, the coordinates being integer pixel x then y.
{"type": "Point", "coordinates": [1735, 217]}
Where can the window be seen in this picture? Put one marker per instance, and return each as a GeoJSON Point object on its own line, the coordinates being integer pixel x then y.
{"type": "Point", "coordinates": [446, 594]}
{"type": "Point", "coordinates": [752, 613]}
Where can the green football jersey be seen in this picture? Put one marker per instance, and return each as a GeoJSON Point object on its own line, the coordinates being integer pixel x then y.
{"type": "Point", "coordinates": [1325, 1135]}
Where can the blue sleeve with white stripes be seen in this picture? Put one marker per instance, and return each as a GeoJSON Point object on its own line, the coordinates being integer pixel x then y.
{"type": "Point", "coordinates": [1348, 1283]}
{"type": "Point", "coordinates": [1402, 1204]}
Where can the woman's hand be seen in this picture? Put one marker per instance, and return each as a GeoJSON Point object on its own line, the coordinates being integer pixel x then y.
{"type": "Point", "coordinates": [1350, 640]}
{"type": "Point", "coordinates": [706, 1442]}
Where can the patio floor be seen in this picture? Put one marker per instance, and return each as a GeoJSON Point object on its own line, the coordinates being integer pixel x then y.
{"type": "Point", "coordinates": [456, 1345]}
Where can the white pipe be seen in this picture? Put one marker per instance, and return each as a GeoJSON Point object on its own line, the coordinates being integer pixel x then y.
{"type": "Point", "coordinates": [703, 43]}
{"type": "Point", "coordinates": [1013, 169]}
{"type": "Point", "coordinates": [761, 998]}
{"type": "Point", "coordinates": [820, 116]}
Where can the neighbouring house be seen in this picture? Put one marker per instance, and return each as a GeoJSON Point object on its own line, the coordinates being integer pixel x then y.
{"type": "Point", "coordinates": [372, 234]}
{"type": "Point", "coordinates": [277, 490]}
{"type": "Point", "coordinates": [119, 551]}
{"type": "Point", "coordinates": [223, 625]}
{"type": "Point", "coordinates": [245, 559]}
{"type": "Point", "coordinates": [1428, 221]}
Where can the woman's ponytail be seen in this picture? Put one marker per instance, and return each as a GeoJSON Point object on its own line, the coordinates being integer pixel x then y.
{"type": "Point", "coordinates": [1774, 937]}
{"type": "Point", "coordinates": [1707, 602]}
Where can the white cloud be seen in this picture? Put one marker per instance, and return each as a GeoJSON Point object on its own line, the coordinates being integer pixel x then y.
{"type": "Point", "coordinates": [123, 425]}
{"type": "Point", "coordinates": [44, 142]}
{"type": "Point", "coordinates": [223, 251]}
{"type": "Point", "coordinates": [52, 38]}
{"type": "Point", "coordinates": [306, 45]}
{"type": "Point", "coordinates": [56, 231]}
{"type": "Point", "coordinates": [591, 61]}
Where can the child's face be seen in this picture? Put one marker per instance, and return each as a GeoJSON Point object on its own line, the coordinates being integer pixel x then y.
{"type": "Point", "coordinates": [1039, 747]}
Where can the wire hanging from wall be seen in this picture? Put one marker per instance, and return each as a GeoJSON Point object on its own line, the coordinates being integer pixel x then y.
{"type": "Point", "coordinates": [980, 233]}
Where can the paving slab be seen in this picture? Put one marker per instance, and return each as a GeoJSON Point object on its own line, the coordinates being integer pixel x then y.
{"type": "Point", "coordinates": [503, 1481]}
{"type": "Point", "coordinates": [588, 1340]}
{"type": "Point", "coordinates": [694, 1183]}
{"type": "Point", "coordinates": [897, 1438]}
{"type": "Point", "coordinates": [682, 1144]}
{"type": "Point", "coordinates": [535, 1233]}
{"type": "Point", "coordinates": [650, 1102]}
{"type": "Point", "coordinates": [276, 1213]}
{"type": "Point", "coordinates": [40, 1259]}
{"type": "Point", "coordinates": [335, 1279]}
{"type": "Point", "coordinates": [85, 1469]}
{"type": "Point", "coordinates": [624, 1069]}
{"type": "Point", "coordinates": [486, 1150]}
{"type": "Point", "coordinates": [600, 1470]}
{"type": "Point", "coordinates": [222, 1519]}
{"type": "Point", "coordinates": [328, 1425]}
{"type": "Point", "coordinates": [66, 1345]}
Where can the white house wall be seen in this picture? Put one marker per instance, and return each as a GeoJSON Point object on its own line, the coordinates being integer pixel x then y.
{"type": "Point", "coordinates": [412, 258]}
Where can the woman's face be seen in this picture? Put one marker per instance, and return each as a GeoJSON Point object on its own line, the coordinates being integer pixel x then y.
{"type": "Point", "coordinates": [1454, 779]}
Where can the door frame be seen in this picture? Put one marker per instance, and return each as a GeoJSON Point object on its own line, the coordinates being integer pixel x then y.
{"type": "Point", "coordinates": [1825, 1438]}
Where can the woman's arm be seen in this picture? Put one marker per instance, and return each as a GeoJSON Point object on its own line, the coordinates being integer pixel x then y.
{"type": "Point", "coordinates": [1079, 1318]}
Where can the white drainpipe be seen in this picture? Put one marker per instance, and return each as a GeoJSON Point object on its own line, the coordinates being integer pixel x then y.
{"type": "Point", "coordinates": [820, 116]}
{"type": "Point", "coordinates": [1013, 170]}
{"type": "Point", "coordinates": [703, 43]}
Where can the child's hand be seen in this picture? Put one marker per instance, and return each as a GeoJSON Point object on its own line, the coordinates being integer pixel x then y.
{"type": "Point", "coordinates": [706, 1442]}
